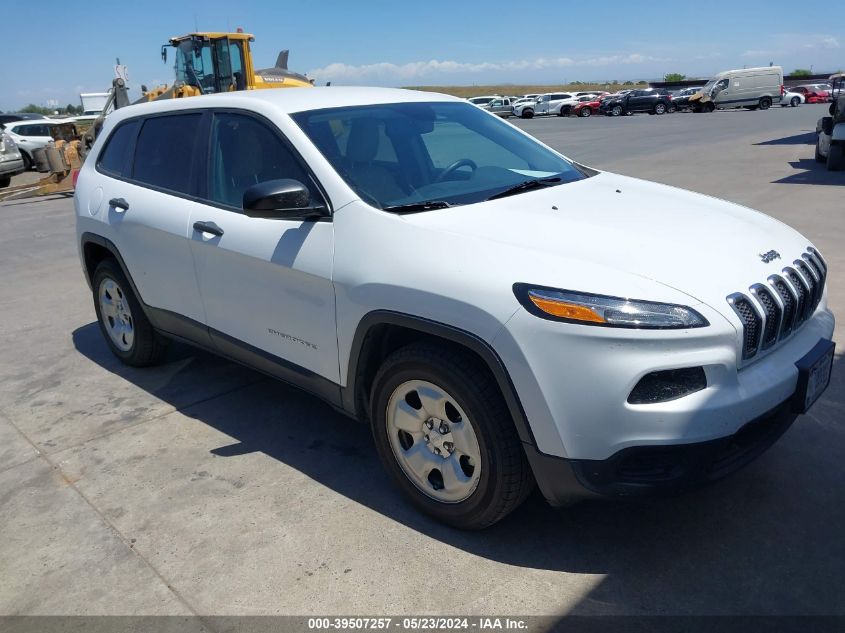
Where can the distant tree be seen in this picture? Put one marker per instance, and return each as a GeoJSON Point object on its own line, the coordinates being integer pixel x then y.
{"type": "Point", "coordinates": [642, 82]}
{"type": "Point", "coordinates": [614, 82]}
{"type": "Point", "coordinates": [576, 83]}
{"type": "Point", "coordinates": [70, 108]}
{"type": "Point", "coordinates": [36, 109]}
{"type": "Point", "coordinates": [628, 83]}
{"type": "Point", "coordinates": [673, 77]}
{"type": "Point", "coordinates": [801, 72]}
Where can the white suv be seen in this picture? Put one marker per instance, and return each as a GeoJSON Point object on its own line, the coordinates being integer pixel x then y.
{"type": "Point", "coordinates": [559, 103]}
{"type": "Point", "coordinates": [424, 266]}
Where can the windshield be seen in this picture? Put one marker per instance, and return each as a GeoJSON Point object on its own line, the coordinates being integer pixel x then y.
{"type": "Point", "coordinates": [402, 154]}
{"type": "Point", "coordinates": [210, 65]}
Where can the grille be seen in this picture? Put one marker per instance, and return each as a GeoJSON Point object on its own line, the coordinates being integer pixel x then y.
{"type": "Point", "coordinates": [772, 311]}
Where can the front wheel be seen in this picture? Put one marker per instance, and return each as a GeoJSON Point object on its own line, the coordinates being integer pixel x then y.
{"type": "Point", "coordinates": [528, 113]}
{"type": "Point", "coordinates": [835, 159]}
{"type": "Point", "coordinates": [585, 112]}
{"type": "Point", "coordinates": [445, 435]}
{"type": "Point", "coordinates": [616, 111]}
{"type": "Point", "coordinates": [127, 331]}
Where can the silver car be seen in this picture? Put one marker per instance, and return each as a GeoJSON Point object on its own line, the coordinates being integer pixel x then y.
{"type": "Point", "coordinates": [11, 161]}
{"type": "Point", "coordinates": [502, 106]}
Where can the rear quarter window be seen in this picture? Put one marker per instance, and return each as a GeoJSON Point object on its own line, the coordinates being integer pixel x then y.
{"type": "Point", "coordinates": [117, 154]}
{"type": "Point", "coordinates": [164, 151]}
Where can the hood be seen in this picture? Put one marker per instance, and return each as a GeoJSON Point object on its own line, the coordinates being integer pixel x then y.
{"type": "Point", "coordinates": [602, 229]}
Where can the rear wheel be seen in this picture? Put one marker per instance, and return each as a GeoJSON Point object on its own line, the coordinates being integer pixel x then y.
{"type": "Point", "coordinates": [835, 159]}
{"type": "Point", "coordinates": [659, 108]}
{"type": "Point", "coordinates": [585, 111]}
{"type": "Point", "coordinates": [444, 434]}
{"type": "Point", "coordinates": [128, 332]}
{"type": "Point", "coordinates": [564, 111]}
{"type": "Point", "coordinates": [765, 103]}
{"type": "Point", "coordinates": [794, 102]}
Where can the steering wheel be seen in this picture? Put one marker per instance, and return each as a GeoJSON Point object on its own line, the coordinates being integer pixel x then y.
{"type": "Point", "coordinates": [461, 162]}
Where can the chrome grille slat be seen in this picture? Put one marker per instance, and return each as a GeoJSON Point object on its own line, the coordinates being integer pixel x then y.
{"type": "Point", "coordinates": [771, 312]}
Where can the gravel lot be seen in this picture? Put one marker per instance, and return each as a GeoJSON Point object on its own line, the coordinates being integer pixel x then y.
{"type": "Point", "coordinates": [202, 487]}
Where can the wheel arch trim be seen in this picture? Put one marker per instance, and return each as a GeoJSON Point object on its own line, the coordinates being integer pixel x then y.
{"type": "Point", "coordinates": [473, 343]}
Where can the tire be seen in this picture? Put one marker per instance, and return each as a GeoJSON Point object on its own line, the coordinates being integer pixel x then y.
{"type": "Point", "coordinates": [616, 110]}
{"type": "Point", "coordinates": [710, 107]}
{"type": "Point", "coordinates": [835, 158]}
{"type": "Point", "coordinates": [466, 402]}
{"type": "Point", "coordinates": [528, 113]}
{"type": "Point", "coordinates": [660, 108]}
{"type": "Point", "coordinates": [795, 102]}
{"type": "Point", "coordinates": [127, 331]}
{"type": "Point", "coordinates": [564, 111]}
{"type": "Point", "coordinates": [672, 109]}
{"type": "Point", "coordinates": [27, 161]}
{"type": "Point", "coordinates": [818, 156]}
{"type": "Point", "coordinates": [585, 112]}
{"type": "Point", "coordinates": [5, 181]}
{"type": "Point", "coordinates": [765, 103]}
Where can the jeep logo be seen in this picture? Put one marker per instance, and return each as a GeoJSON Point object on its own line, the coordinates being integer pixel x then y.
{"type": "Point", "coordinates": [769, 257]}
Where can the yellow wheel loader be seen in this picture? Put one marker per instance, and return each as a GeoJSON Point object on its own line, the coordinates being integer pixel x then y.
{"type": "Point", "coordinates": [206, 63]}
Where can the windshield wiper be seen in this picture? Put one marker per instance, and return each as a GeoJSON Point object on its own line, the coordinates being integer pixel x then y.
{"type": "Point", "coordinates": [414, 207]}
{"type": "Point", "coordinates": [536, 183]}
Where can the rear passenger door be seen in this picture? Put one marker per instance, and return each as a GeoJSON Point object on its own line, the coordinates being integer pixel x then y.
{"type": "Point", "coordinates": [147, 201]}
{"type": "Point", "coordinates": [266, 283]}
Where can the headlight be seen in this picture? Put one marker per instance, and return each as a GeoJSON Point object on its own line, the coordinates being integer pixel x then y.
{"type": "Point", "coordinates": [590, 309]}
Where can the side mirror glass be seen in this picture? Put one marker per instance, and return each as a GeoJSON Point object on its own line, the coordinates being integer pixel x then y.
{"type": "Point", "coordinates": [284, 199]}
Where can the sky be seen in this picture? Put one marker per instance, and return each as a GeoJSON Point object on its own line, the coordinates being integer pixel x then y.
{"type": "Point", "coordinates": [404, 43]}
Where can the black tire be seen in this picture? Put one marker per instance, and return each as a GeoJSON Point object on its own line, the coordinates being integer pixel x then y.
{"type": "Point", "coordinates": [564, 111]}
{"type": "Point", "coordinates": [148, 346]}
{"type": "Point", "coordinates": [27, 161]}
{"type": "Point", "coordinates": [528, 113]}
{"type": "Point", "coordinates": [585, 111]}
{"type": "Point", "coordinates": [672, 109]}
{"type": "Point", "coordinates": [765, 103]}
{"type": "Point", "coordinates": [616, 111]}
{"type": "Point", "coordinates": [505, 478]}
{"type": "Point", "coordinates": [659, 108]}
{"type": "Point", "coordinates": [710, 107]}
{"type": "Point", "coordinates": [795, 102]}
{"type": "Point", "coordinates": [835, 158]}
{"type": "Point", "coordinates": [5, 181]}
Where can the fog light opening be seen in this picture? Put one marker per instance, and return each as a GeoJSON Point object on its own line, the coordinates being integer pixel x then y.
{"type": "Point", "coordinates": [666, 385]}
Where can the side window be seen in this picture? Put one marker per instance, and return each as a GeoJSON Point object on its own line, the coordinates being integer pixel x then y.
{"type": "Point", "coordinates": [164, 151]}
{"type": "Point", "coordinates": [245, 151]}
{"type": "Point", "coordinates": [115, 157]}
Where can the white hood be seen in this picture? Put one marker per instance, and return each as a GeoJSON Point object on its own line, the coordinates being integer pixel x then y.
{"type": "Point", "coordinates": [704, 247]}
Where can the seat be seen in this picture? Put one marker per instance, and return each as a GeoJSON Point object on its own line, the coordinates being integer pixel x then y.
{"type": "Point", "coordinates": [361, 149]}
{"type": "Point", "coordinates": [243, 159]}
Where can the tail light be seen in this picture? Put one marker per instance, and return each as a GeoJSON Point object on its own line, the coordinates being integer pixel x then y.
{"type": "Point", "coordinates": [75, 177]}
{"type": "Point", "coordinates": [782, 91]}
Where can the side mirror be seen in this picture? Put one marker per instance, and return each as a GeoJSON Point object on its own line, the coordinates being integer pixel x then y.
{"type": "Point", "coordinates": [283, 199]}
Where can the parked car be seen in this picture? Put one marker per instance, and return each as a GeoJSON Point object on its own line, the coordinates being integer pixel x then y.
{"type": "Point", "coordinates": [11, 161]}
{"type": "Point", "coordinates": [587, 106]}
{"type": "Point", "coordinates": [285, 229]}
{"type": "Point", "coordinates": [645, 100]}
{"type": "Point", "coordinates": [502, 106]}
{"type": "Point", "coordinates": [812, 94]}
{"type": "Point", "coordinates": [789, 98]}
{"type": "Point", "coordinates": [681, 99]}
{"type": "Point", "coordinates": [10, 117]}
{"type": "Point", "coordinates": [559, 103]}
{"type": "Point", "coordinates": [483, 101]}
{"type": "Point", "coordinates": [750, 88]}
{"type": "Point", "coordinates": [30, 135]}
{"type": "Point", "coordinates": [830, 142]}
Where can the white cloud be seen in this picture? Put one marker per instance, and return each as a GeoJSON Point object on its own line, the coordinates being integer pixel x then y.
{"type": "Point", "coordinates": [387, 71]}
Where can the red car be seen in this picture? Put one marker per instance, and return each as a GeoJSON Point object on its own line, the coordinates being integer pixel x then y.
{"type": "Point", "coordinates": [586, 108]}
{"type": "Point", "coordinates": [812, 95]}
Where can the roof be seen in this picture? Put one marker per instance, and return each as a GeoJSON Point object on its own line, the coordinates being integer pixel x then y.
{"type": "Point", "coordinates": [749, 70]}
{"type": "Point", "coordinates": [288, 100]}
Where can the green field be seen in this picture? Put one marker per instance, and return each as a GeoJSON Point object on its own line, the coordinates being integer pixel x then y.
{"type": "Point", "coordinates": [515, 90]}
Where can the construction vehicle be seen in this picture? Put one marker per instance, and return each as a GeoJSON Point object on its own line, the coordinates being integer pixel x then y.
{"type": "Point", "coordinates": [206, 63]}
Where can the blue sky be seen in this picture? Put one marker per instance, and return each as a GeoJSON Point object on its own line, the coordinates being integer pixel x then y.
{"type": "Point", "coordinates": [55, 50]}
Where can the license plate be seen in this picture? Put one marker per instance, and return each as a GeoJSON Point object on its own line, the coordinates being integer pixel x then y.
{"type": "Point", "coordinates": [813, 375]}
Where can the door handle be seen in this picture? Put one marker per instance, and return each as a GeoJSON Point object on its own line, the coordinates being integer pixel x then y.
{"type": "Point", "coordinates": [208, 227]}
{"type": "Point", "coordinates": [119, 203]}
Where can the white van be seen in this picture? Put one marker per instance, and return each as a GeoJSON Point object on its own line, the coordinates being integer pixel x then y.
{"type": "Point", "coordinates": [750, 88]}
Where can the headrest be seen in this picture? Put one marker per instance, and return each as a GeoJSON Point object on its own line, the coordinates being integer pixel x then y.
{"type": "Point", "coordinates": [362, 144]}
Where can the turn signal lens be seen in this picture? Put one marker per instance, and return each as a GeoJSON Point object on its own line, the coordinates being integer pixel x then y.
{"type": "Point", "coordinates": [566, 310]}
{"type": "Point", "coordinates": [592, 309]}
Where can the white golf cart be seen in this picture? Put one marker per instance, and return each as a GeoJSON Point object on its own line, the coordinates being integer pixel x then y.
{"type": "Point", "coordinates": [830, 143]}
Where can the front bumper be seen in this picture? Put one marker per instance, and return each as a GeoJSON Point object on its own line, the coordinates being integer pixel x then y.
{"type": "Point", "coordinates": [652, 470]}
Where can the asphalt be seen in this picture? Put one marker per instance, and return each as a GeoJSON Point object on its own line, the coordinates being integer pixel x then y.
{"type": "Point", "coordinates": [201, 487]}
